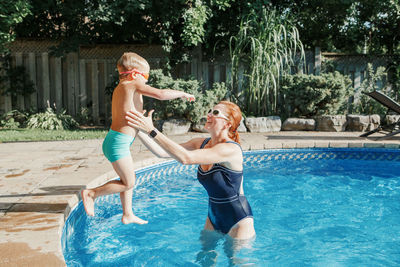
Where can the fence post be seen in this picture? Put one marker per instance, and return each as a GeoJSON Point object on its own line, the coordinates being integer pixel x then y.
{"type": "Point", "coordinates": [32, 76]}
{"type": "Point", "coordinates": [95, 91]}
{"type": "Point", "coordinates": [20, 97]}
{"type": "Point", "coordinates": [58, 82]}
{"type": "Point", "coordinates": [45, 79]}
{"type": "Point", "coordinates": [317, 59]}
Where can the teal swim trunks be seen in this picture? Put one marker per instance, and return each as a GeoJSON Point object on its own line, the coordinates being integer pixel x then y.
{"type": "Point", "coordinates": [116, 145]}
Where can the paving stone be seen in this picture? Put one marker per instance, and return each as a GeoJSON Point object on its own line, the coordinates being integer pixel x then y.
{"type": "Point", "coordinates": [356, 145]}
{"type": "Point", "coordinates": [305, 144]}
{"type": "Point", "coordinates": [338, 144]}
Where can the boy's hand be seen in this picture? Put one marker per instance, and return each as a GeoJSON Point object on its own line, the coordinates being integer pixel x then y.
{"type": "Point", "coordinates": [188, 97]}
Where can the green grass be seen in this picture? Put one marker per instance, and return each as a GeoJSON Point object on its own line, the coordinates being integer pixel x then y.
{"type": "Point", "coordinates": [30, 135]}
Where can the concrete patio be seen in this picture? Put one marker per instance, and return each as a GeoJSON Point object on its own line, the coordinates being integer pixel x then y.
{"type": "Point", "coordinates": [40, 184]}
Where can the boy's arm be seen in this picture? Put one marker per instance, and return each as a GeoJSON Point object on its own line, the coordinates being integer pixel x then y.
{"type": "Point", "coordinates": [164, 94]}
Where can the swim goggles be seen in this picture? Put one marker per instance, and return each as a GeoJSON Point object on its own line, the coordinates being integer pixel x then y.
{"type": "Point", "coordinates": [145, 75]}
{"type": "Point", "coordinates": [217, 114]}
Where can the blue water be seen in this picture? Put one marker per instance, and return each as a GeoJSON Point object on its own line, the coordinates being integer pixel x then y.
{"type": "Point", "coordinates": [312, 207]}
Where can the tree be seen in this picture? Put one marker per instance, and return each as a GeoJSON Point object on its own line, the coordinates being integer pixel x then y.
{"type": "Point", "coordinates": [345, 25]}
{"type": "Point", "coordinates": [11, 13]}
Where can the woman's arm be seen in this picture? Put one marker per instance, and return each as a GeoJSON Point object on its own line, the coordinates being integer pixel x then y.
{"type": "Point", "coordinates": [157, 150]}
{"type": "Point", "coordinates": [151, 145]}
{"type": "Point", "coordinates": [224, 152]}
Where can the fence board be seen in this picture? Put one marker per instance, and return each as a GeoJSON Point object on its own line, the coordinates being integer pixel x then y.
{"type": "Point", "coordinates": [95, 91]}
{"type": "Point", "coordinates": [45, 80]}
{"type": "Point", "coordinates": [217, 72]}
{"type": "Point", "coordinates": [317, 61]}
{"type": "Point", "coordinates": [204, 73]}
{"type": "Point", "coordinates": [32, 76]}
{"type": "Point", "coordinates": [58, 82]}
{"type": "Point", "coordinates": [5, 103]}
{"type": "Point", "coordinates": [82, 83]}
{"type": "Point", "coordinates": [20, 98]}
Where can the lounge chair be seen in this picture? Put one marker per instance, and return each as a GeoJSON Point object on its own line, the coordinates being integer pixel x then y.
{"type": "Point", "coordinates": [389, 129]}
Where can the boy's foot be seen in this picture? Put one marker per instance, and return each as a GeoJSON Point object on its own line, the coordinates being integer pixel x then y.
{"type": "Point", "coordinates": [88, 202]}
{"type": "Point", "coordinates": [127, 219]}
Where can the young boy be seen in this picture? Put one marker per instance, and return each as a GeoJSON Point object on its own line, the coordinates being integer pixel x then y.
{"type": "Point", "coordinates": [128, 95]}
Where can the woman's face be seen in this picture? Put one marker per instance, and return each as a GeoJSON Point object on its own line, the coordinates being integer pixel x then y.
{"type": "Point", "coordinates": [216, 118]}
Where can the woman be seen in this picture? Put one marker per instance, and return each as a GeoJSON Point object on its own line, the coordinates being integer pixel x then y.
{"type": "Point", "coordinates": [220, 169]}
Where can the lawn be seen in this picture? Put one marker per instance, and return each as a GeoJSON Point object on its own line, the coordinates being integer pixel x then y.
{"type": "Point", "coordinates": [27, 135]}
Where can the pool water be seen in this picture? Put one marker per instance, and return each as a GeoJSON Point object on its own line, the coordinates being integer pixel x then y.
{"type": "Point", "coordinates": [312, 207]}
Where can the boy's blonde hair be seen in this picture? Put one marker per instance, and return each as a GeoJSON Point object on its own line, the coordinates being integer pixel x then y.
{"type": "Point", "coordinates": [129, 61]}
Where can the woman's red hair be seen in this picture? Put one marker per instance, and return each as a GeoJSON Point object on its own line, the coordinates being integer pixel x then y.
{"type": "Point", "coordinates": [235, 117]}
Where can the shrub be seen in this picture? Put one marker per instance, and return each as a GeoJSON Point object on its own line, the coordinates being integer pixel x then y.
{"type": "Point", "coordinates": [50, 120]}
{"type": "Point", "coordinates": [310, 95]}
{"type": "Point", "coordinates": [364, 104]}
{"type": "Point", "coordinates": [13, 119]}
{"type": "Point", "coordinates": [178, 108]}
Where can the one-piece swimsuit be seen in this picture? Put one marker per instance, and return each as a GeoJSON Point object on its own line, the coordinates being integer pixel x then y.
{"type": "Point", "coordinates": [226, 206]}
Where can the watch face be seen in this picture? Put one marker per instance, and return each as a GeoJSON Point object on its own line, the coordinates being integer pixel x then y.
{"type": "Point", "coordinates": [153, 133]}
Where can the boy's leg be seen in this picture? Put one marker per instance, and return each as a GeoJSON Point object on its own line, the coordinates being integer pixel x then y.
{"type": "Point", "coordinates": [125, 170]}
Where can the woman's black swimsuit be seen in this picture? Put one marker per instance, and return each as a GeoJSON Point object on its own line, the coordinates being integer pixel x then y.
{"type": "Point", "coordinates": [226, 207]}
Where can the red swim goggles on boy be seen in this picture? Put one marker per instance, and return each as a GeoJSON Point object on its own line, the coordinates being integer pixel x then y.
{"type": "Point", "coordinates": [145, 75]}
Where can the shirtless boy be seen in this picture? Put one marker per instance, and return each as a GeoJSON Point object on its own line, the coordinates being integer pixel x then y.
{"type": "Point", "coordinates": [128, 95]}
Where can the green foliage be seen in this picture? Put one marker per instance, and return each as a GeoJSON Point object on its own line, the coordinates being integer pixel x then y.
{"type": "Point", "coordinates": [394, 76]}
{"type": "Point", "coordinates": [84, 117]}
{"type": "Point", "coordinates": [11, 13]}
{"type": "Point", "coordinates": [178, 108]}
{"type": "Point", "coordinates": [179, 25]}
{"type": "Point", "coordinates": [13, 119]}
{"type": "Point", "coordinates": [346, 26]}
{"type": "Point", "coordinates": [310, 95]}
{"type": "Point", "coordinates": [194, 20]}
{"type": "Point", "coordinates": [50, 120]}
{"type": "Point", "coordinates": [9, 124]}
{"type": "Point", "coordinates": [266, 47]}
{"type": "Point", "coordinates": [364, 104]}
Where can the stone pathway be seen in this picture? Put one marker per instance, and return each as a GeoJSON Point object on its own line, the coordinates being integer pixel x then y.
{"type": "Point", "coordinates": [40, 184]}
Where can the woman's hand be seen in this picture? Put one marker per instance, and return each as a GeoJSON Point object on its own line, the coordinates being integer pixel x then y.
{"type": "Point", "coordinates": [138, 121]}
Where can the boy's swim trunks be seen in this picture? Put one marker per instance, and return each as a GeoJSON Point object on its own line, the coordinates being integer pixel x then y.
{"type": "Point", "coordinates": [116, 145]}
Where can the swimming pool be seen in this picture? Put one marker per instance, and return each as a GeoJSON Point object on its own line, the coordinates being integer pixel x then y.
{"type": "Point", "coordinates": [320, 207]}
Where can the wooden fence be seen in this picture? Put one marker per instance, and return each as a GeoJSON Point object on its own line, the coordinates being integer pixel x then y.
{"type": "Point", "coordinates": [78, 80]}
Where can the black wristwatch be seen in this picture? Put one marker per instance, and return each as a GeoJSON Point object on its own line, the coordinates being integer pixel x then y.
{"type": "Point", "coordinates": [153, 133]}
